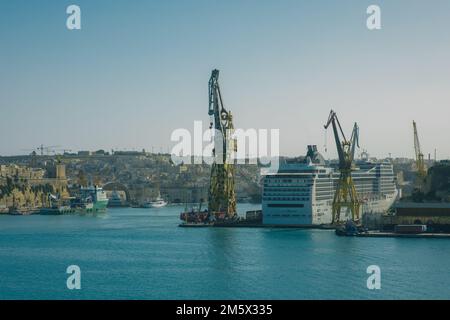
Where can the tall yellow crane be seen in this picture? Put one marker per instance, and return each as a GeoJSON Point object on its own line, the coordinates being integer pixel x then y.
{"type": "Point", "coordinates": [345, 195]}
{"type": "Point", "coordinates": [420, 163]}
{"type": "Point", "coordinates": [221, 196]}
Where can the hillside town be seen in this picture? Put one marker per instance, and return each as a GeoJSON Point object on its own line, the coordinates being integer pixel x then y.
{"type": "Point", "coordinates": [133, 178]}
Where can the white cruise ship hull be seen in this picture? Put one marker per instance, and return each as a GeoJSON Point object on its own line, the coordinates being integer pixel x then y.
{"type": "Point", "coordinates": [302, 193]}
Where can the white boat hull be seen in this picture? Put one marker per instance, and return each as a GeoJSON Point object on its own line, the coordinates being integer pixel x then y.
{"type": "Point", "coordinates": [155, 204]}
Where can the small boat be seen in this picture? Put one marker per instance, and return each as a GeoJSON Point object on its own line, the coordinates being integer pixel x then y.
{"type": "Point", "coordinates": [157, 203]}
{"type": "Point", "coordinates": [56, 210]}
{"type": "Point", "coordinates": [196, 216]}
{"type": "Point", "coordinates": [23, 211]}
{"type": "Point", "coordinates": [4, 209]}
{"type": "Point", "coordinates": [115, 200]}
{"type": "Point", "coordinates": [350, 229]}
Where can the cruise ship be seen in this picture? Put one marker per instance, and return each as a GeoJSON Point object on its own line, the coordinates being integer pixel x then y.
{"type": "Point", "coordinates": [301, 192]}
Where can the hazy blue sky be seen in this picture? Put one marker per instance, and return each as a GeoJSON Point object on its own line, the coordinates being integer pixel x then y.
{"type": "Point", "coordinates": [139, 69]}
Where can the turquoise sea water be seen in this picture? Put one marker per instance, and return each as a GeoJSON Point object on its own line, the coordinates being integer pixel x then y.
{"type": "Point", "coordinates": [142, 254]}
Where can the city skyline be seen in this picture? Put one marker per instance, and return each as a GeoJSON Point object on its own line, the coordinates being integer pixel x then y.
{"type": "Point", "coordinates": [137, 71]}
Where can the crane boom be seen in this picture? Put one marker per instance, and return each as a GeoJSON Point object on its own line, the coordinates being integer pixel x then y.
{"type": "Point", "coordinates": [354, 141]}
{"type": "Point", "coordinates": [332, 119]}
{"type": "Point", "coordinates": [216, 107]}
{"type": "Point", "coordinates": [420, 163]}
{"type": "Point", "coordinates": [346, 149]}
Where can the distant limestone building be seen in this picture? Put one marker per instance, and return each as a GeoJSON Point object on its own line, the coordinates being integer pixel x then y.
{"type": "Point", "coordinates": [22, 186]}
{"type": "Point", "coordinates": [60, 171]}
{"type": "Point", "coordinates": [20, 173]}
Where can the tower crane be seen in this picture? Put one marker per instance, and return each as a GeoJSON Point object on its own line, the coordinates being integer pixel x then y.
{"type": "Point", "coordinates": [47, 149]}
{"type": "Point", "coordinates": [221, 196]}
{"type": "Point", "coordinates": [64, 151]}
{"type": "Point", "coordinates": [420, 163]}
{"type": "Point", "coordinates": [345, 195]}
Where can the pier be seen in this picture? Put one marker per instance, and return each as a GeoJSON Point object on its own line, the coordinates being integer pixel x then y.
{"type": "Point", "coordinates": [379, 234]}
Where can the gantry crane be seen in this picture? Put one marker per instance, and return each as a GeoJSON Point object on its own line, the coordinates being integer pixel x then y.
{"type": "Point", "coordinates": [345, 195]}
{"type": "Point", "coordinates": [221, 197]}
{"type": "Point", "coordinates": [420, 163]}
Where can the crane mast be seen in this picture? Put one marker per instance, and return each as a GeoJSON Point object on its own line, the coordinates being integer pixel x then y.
{"type": "Point", "coordinates": [221, 196]}
{"type": "Point", "coordinates": [345, 195]}
{"type": "Point", "coordinates": [420, 163]}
